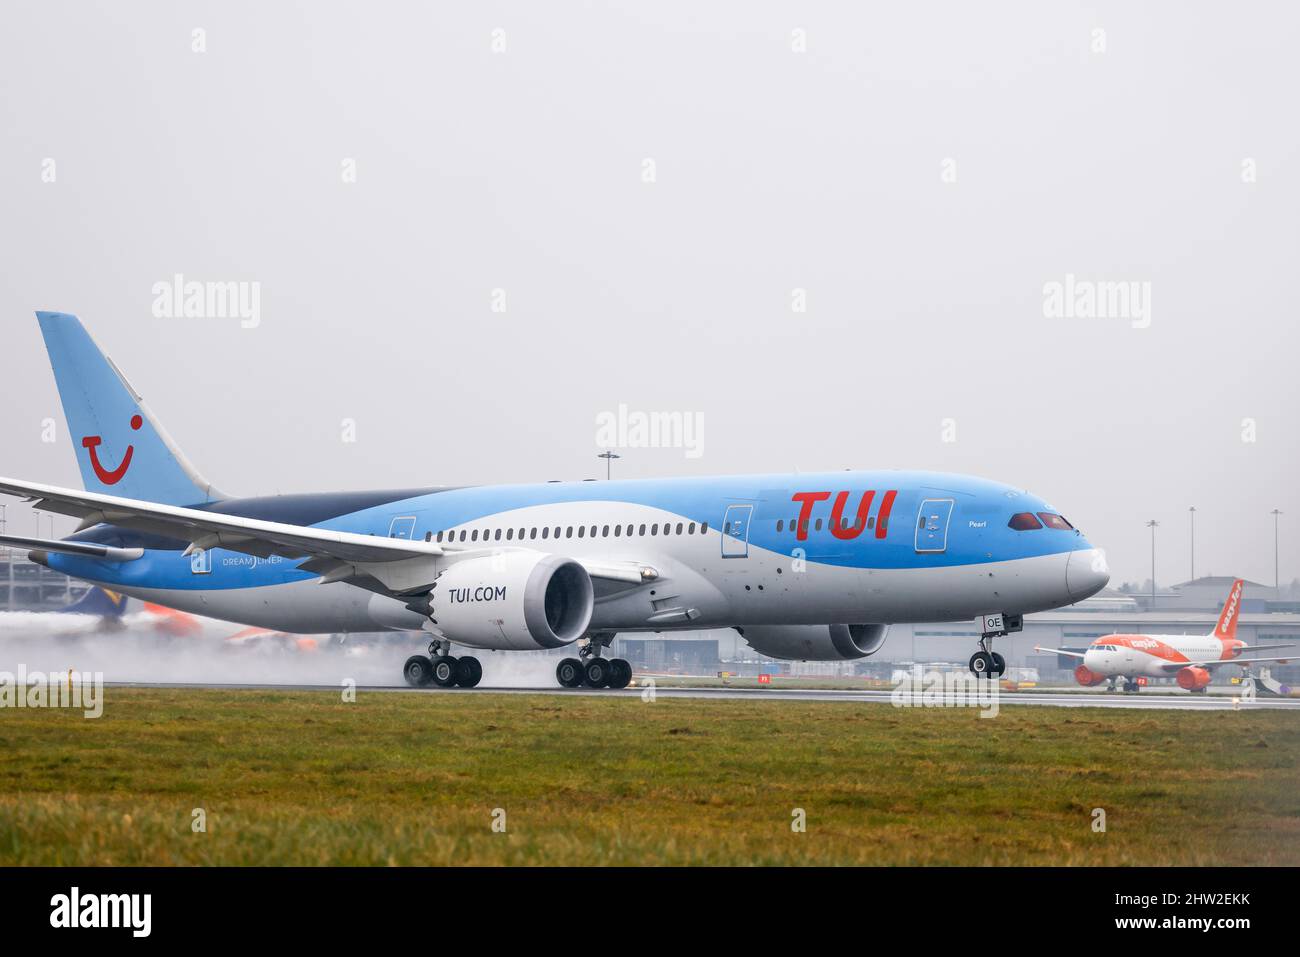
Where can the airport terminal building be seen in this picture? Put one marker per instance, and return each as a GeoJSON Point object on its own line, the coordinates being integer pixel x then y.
{"type": "Point", "coordinates": [27, 586]}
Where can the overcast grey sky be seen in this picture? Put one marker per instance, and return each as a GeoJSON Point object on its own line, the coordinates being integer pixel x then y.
{"type": "Point", "coordinates": [920, 171]}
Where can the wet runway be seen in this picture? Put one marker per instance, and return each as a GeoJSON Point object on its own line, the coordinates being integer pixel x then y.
{"type": "Point", "coordinates": [1059, 699]}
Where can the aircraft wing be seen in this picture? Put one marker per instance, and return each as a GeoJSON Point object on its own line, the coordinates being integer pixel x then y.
{"type": "Point", "coordinates": [1060, 651]}
{"type": "Point", "coordinates": [204, 529]}
{"type": "Point", "coordinates": [1176, 667]}
{"type": "Point", "coordinates": [336, 555]}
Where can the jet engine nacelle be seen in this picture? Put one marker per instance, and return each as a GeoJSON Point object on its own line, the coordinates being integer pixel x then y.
{"type": "Point", "coordinates": [1193, 678]}
{"type": "Point", "coordinates": [815, 642]}
{"type": "Point", "coordinates": [1087, 677]}
{"type": "Point", "coordinates": [516, 601]}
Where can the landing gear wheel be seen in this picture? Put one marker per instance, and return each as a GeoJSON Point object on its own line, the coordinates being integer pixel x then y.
{"type": "Point", "coordinates": [569, 673]}
{"type": "Point", "coordinates": [597, 673]}
{"type": "Point", "coordinates": [418, 671]}
{"type": "Point", "coordinates": [980, 664]}
{"type": "Point", "coordinates": [444, 671]}
{"type": "Point", "coordinates": [468, 672]}
{"type": "Point", "coordinates": [999, 665]}
{"type": "Point", "coordinates": [620, 673]}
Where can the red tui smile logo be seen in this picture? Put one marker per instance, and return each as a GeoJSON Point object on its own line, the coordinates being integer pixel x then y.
{"type": "Point", "coordinates": [104, 475]}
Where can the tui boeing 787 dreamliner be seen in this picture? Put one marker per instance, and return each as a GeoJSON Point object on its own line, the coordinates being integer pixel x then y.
{"type": "Point", "coordinates": [804, 566]}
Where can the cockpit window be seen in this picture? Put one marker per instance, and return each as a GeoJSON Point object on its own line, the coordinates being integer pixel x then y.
{"type": "Point", "coordinates": [1024, 522]}
{"type": "Point", "coordinates": [1052, 520]}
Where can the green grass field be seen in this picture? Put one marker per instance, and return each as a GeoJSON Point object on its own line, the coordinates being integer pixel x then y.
{"type": "Point", "coordinates": [302, 778]}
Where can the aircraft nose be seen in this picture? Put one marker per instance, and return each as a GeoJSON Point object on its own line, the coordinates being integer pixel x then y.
{"type": "Point", "coordinates": [1086, 573]}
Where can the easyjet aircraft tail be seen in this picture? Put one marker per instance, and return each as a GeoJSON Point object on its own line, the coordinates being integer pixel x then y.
{"type": "Point", "coordinates": [120, 447]}
{"type": "Point", "coordinates": [1226, 629]}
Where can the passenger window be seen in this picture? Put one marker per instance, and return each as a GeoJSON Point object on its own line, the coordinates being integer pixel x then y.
{"type": "Point", "coordinates": [679, 528]}
{"type": "Point", "coordinates": [1052, 520]}
{"type": "Point", "coordinates": [604, 531]}
{"type": "Point", "coordinates": [1024, 522]}
{"type": "Point", "coordinates": [654, 529]}
{"type": "Point", "coordinates": [819, 524]}
{"type": "Point", "coordinates": [532, 533]}
{"type": "Point", "coordinates": [642, 529]}
{"type": "Point", "coordinates": [617, 529]}
{"type": "Point", "coordinates": [704, 529]}
{"type": "Point", "coordinates": [568, 532]}
{"type": "Point", "coordinates": [545, 531]}
{"type": "Point", "coordinates": [497, 536]}
{"type": "Point", "coordinates": [691, 530]}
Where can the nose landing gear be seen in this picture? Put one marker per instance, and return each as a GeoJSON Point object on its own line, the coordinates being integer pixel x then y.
{"type": "Point", "coordinates": [987, 663]}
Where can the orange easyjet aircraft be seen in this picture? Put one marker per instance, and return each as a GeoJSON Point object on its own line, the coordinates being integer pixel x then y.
{"type": "Point", "coordinates": [1189, 657]}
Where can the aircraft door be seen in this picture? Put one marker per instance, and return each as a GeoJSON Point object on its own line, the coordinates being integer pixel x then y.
{"type": "Point", "coordinates": [735, 531]}
{"type": "Point", "coordinates": [932, 525]}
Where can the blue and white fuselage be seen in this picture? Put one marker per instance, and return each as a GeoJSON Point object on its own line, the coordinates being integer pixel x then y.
{"type": "Point", "coordinates": [740, 557]}
{"type": "Point", "coordinates": [806, 565]}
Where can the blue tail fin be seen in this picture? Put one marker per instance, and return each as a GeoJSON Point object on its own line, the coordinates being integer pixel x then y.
{"type": "Point", "coordinates": [121, 449]}
{"type": "Point", "coordinates": [98, 601]}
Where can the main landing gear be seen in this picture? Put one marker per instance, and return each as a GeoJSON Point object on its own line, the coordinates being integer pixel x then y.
{"type": "Point", "coordinates": [593, 671]}
{"type": "Point", "coordinates": [441, 669]}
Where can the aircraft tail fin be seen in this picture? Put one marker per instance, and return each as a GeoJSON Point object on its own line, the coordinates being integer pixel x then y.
{"type": "Point", "coordinates": [99, 601]}
{"type": "Point", "coordinates": [121, 449]}
{"type": "Point", "coordinates": [1226, 629]}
